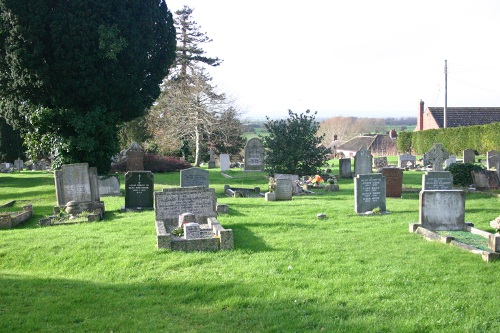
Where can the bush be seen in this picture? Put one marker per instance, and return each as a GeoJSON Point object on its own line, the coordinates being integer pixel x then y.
{"type": "Point", "coordinates": [156, 164]}
{"type": "Point", "coordinates": [462, 173]}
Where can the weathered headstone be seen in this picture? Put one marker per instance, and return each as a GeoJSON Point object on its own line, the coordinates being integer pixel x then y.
{"type": "Point", "coordinates": [76, 182]}
{"type": "Point", "coordinates": [194, 177]}
{"type": "Point", "coordinates": [437, 180]}
{"type": "Point", "coordinates": [436, 156]}
{"type": "Point", "coordinates": [283, 189]}
{"type": "Point", "coordinates": [363, 162]}
{"type": "Point", "coordinates": [345, 168]}
{"type": "Point", "coordinates": [172, 202]}
{"type": "Point", "coordinates": [407, 161]}
{"type": "Point", "coordinates": [393, 181]}
{"type": "Point", "coordinates": [192, 230]}
{"type": "Point", "coordinates": [18, 164]}
{"type": "Point", "coordinates": [109, 185]}
{"type": "Point", "coordinates": [225, 163]}
{"type": "Point", "coordinates": [442, 210]}
{"type": "Point", "coordinates": [486, 179]}
{"type": "Point", "coordinates": [294, 180]}
{"type": "Point", "coordinates": [469, 155]}
{"type": "Point", "coordinates": [254, 155]}
{"type": "Point", "coordinates": [135, 157]}
{"type": "Point", "coordinates": [139, 189]}
{"type": "Point", "coordinates": [369, 192]}
{"type": "Point", "coordinates": [380, 162]}
{"type": "Point", "coordinates": [449, 161]}
{"type": "Point", "coordinates": [211, 162]}
{"type": "Point", "coordinates": [492, 158]}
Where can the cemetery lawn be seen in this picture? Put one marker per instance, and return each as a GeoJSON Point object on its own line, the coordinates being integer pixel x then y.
{"type": "Point", "coordinates": [289, 271]}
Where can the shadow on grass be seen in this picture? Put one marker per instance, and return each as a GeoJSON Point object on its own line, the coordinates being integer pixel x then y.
{"type": "Point", "coordinates": [245, 239]}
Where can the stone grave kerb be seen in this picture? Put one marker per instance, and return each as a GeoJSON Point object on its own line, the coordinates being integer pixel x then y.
{"type": "Point", "coordinates": [436, 156]}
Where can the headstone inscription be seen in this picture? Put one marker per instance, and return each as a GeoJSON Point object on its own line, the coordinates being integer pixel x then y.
{"type": "Point", "coordinates": [369, 192]}
{"type": "Point", "coordinates": [407, 161]}
{"type": "Point", "coordinates": [345, 168]}
{"type": "Point", "coordinates": [294, 180]}
{"type": "Point", "coordinates": [254, 155]}
{"type": "Point", "coordinates": [225, 162]}
{"type": "Point", "coordinates": [172, 202]}
{"type": "Point", "coordinates": [436, 156]}
{"type": "Point", "coordinates": [76, 182]}
{"type": "Point", "coordinates": [109, 185]}
{"type": "Point", "coordinates": [492, 158]}
{"type": "Point", "coordinates": [283, 189]}
{"type": "Point", "coordinates": [363, 162]}
{"type": "Point", "coordinates": [469, 155]}
{"type": "Point", "coordinates": [442, 209]}
{"type": "Point", "coordinates": [380, 162]}
{"type": "Point", "coordinates": [139, 188]}
{"type": "Point", "coordinates": [394, 182]}
{"type": "Point", "coordinates": [437, 180]}
{"type": "Point", "coordinates": [135, 157]}
{"type": "Point", "coordinates": [194, 177]}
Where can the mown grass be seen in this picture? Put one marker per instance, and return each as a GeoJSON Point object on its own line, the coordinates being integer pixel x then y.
{"type": "Point", "coordinates": [289, 271]}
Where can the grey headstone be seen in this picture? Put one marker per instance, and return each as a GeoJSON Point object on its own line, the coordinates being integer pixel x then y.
{"type": "Point", "coordinates": [407, 161]}
{"type": "Point", "coordinates": [380, 162]}
{"type": "Point", "coordinates": [172, 202]}
{"type": "Point", "coordinates": [437, 180]}
{"type": "Point", "coordinates": [186, 218]}
{"type": "Point", "coordinates": [449, 161]}
{"type": "Point", "coordinates": [194, 177]}
{"type": "Point", "coordinates": [283, 189]}
{"type": "Point", "coordinates": [345, 168]}
{"type": "Point", "coordinates": [109, 185]}
{"type": "Point", "coordinates": [294, 179]}
{"type": "Point", "coordinates": [442, 210]}
{"type": "Point", "coordinates": [18, 164]}
{"type": "Point", "coordinates": [76, 182]}
{"type": "Point", "coordinates": [254, 155]}
{"type": "Point", "coordinates": [436, 156]}
{"type": "Point", "coordinates": [363, 162]}
{"type": "Point", "coordinates": [225, 162]}
{"type": "Point", "coordinates": [486, 179]}
{"type": "Point", "coordinates": [139, 188]}
{"type": "Point", "coordinates": [469, 155]}
{"type": "Point", "coordinates": [192, 230]}
{"type": "Point", "coordinates": [369, 192]}
{"type": "Point", "coordinates": [492, 158]}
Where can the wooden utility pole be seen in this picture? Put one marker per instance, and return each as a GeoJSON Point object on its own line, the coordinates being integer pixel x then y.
{"type": "Point", "coordinates": [445, 92]}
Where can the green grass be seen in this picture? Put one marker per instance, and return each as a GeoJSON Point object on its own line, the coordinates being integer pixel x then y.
{"type": "Point", "coordinates": [289, 271]}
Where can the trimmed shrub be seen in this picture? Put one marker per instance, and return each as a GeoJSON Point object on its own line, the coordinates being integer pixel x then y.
{"type": "Point", "coordinates": [462, 173]}
{"type": "Point", "coordinates": [156, 164]}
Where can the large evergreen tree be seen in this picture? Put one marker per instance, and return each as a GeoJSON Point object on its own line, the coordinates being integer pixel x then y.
{"type": "Point", "coordinates": [292, 145]}
{"type": "Point", "coordinates": [72, 71]}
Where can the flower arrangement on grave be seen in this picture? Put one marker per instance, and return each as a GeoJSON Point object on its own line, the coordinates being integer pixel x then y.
{"type": "Point", "coordinates": [316, 180]}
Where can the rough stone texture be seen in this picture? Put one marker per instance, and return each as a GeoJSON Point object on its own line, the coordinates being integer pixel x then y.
{"type": "Point", "coordinates": [437, 180]}
{"type": "Point", "coordinates": [407, 161]}
{"type": "Point", "coordinates": [226, 239]}
{"type": "Point", "coordinates": [225, 162]}
{"type": "Point", "coordinates": [139, 188]}
{"type": "Point", "coordinates": [254, 155]}
{"type": "Point", "coordinates": [109, 185]}
{"type": "Point", "coordinates": [222, 209]}
{"type": "Point", "coordinates": [194, 177]}
{"type": "Point", "coordinates": [394, 182]}
{"type": "Point", "coordinates": [442, 210]}
{"type": "Point", "coordinates": [270, 196]}
{"type": "Point", "coordinates": [492, 158]}
{"type": "Point", "coordinates": [436, 156]}
{"type": "Point", "coordinates": [191, 230]}
{"type": "Point", "coordinates": [76, 182]}
{"type": "Point", "coordinates": [449, 161]}
{"type": "Point", "coordinates": [362, 162]}
{"type": "Point", "coordinates": [8, 220]}
{"type": "Point", "coordinates": [186, 218]}
{"type": "Point", "coordinates": [380, 162]}
{"type": "Point", "coordinates": [469, 156]}
{"type": "Point", "coordinates": [345, 168]}
{"type": "Point", "coordinates": [283, 189]}
{"type": "Point", "coordinates": [486, 179]}
{"type": "Point", "coordinates": [293, 178]}
{"type": "Point", "coordinates": [369, 192]}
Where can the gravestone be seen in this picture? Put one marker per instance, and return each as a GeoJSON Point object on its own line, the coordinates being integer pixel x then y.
{"type": "Point", "coordinates": [76, 182]}
{"type": "Point", "coordinates": [172, 202]}
{"type": "Point", "coordinates": [19, 164]}
{"type": "Point", "coordinates": [135, 157]}
{"type": "Point", "coordinates": [492, 158]}
{"type": "Point", "coordinates": [442, 210]}
{"type": "Point", "coordinates": [254, 155]}
{"type": "Point", "coordinates": [42, 165]}
{"type": "Point", "coordinates": [283, 189]}
{"type": "Point", "coordinates": [139, 188]}
{"type": "Point", "coordinates": [407, 161]}
{"type": "Point", "coordinates": [363, 162]}
{"type": "Point", "coordinates": [211, 162]}
{"type": "Point", "coordinates": [369, 192]}
{"type": "Point", "coordinates": [109, 185]}
{"type": "Point", "coordinates": [437, 180]}
{"type": "Point", "coordinates": [194, 177]}
{"type": "Point", "coordinates": [225, 162]}
{"type": "Point", "coordinates": [486, 179]}
{"type": "Point", "coordinates": [436, 156]}
{"type": "Point", "coordinates": [393, 181]}
{"type": "Point", "coordinates": [469, 155]}
{"type": "Point", "coordinates": [380, 162]}
{"type": "Point", "coordinates": [294, 180]}
{"type": "Point", "coordinates": [192, 230]}
{"type": "Point", "coordinates": [345, 168]}
{"type": "Point", "coordinates": [449, 161]}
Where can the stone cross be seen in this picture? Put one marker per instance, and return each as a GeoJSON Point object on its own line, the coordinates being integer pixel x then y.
{"type": "Point", "coordinates": [436, 156]}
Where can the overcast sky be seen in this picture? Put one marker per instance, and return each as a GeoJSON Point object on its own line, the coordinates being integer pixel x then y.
{"type": "Point", "coordinates": [360, 58]}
